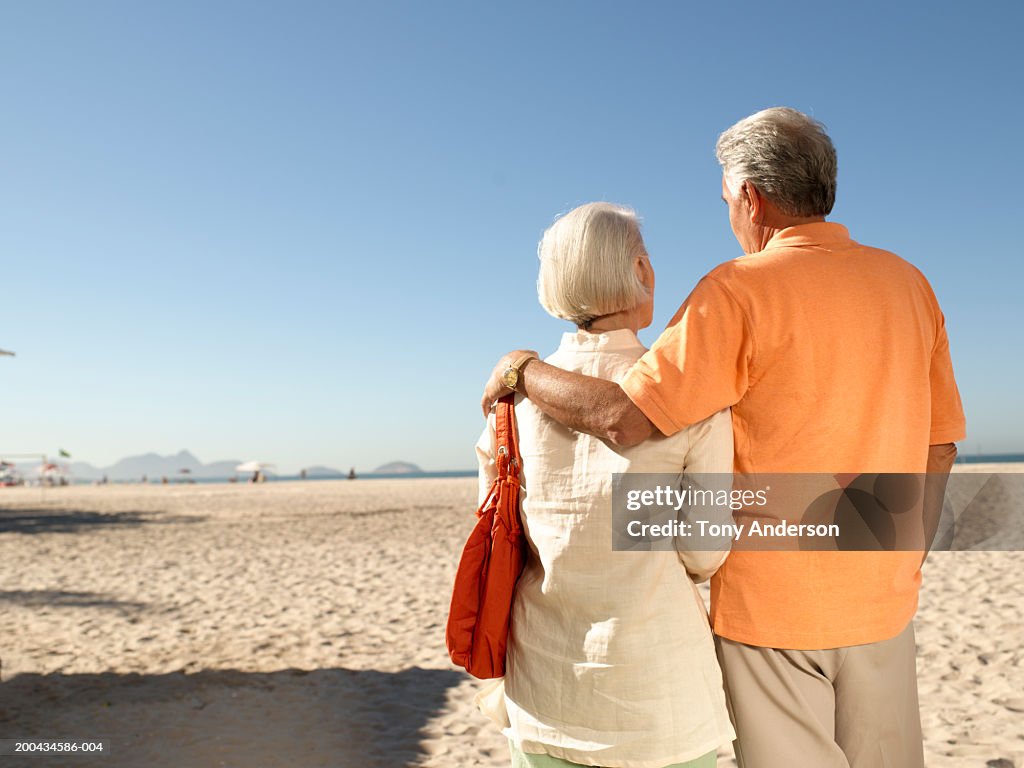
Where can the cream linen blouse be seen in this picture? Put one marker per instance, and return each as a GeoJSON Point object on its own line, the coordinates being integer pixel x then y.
{"type": "Point", "coordinates": [610, 658]}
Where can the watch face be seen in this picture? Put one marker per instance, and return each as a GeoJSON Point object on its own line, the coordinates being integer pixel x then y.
{"type": "Point", "coordinates": [510, 378]}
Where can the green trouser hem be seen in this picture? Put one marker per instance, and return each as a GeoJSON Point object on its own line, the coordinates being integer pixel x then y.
{"type": "Point", "coordinates": [522, 759]}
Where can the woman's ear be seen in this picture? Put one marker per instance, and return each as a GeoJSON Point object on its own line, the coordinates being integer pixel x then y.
{"type": "Point", "coordinates": [644, 272]}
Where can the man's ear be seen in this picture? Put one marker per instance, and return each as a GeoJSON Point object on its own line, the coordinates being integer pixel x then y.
{"type": "Point", "coordinates": [754, 202]}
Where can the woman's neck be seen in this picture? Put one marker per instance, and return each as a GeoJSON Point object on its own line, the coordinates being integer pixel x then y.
{"type": "Point", "coordinates": [627, 319]}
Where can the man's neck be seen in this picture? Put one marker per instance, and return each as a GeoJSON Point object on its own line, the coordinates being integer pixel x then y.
{"type": "Point", "coordinates": [775, 224]}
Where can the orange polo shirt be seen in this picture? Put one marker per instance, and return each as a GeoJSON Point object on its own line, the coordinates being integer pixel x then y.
{"type": "Point", "coordinates": [834, 358]}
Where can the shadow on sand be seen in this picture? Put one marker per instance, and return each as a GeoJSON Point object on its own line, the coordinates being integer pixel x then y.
{"type": "Point", "coordinates": [53, 598]}
{"type": "Point", "coordinates": [326, 717]}
{"type": "Point", "coordinates": [43, 520]}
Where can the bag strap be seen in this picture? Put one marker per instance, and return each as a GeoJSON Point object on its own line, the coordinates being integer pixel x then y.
{"type": "Point", "coordinates": [507, 439]}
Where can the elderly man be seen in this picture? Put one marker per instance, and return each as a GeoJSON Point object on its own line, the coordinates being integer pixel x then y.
{"type": "Point", "coordinates": [834, 358]}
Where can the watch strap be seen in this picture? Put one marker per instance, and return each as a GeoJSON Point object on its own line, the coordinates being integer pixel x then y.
{"type": "Point", "coordinates": [518, 364]}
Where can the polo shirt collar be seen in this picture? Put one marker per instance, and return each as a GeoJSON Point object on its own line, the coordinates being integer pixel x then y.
{"type": "Point", "coordinates": [818, 233]}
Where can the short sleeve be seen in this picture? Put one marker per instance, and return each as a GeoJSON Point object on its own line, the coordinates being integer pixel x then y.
{"type": "Point", "coordinates": [699, 365]}
{"type": "Point", "coordinates": [948, 423]}
{"type": "Point", "coordinates": [711, 445]}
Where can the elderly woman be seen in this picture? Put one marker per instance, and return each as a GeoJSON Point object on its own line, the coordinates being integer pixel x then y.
{"type": "Point", "coordinates": [610, 659]}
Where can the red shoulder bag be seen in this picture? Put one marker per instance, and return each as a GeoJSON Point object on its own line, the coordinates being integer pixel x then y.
{"type": "Point", "coordinates": [478, 621]}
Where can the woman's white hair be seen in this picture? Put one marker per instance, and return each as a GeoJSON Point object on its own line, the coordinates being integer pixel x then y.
{"type": "Point", "coordinates": [586, 263]}
{"type": "Point", "coordinates": [786, 155]}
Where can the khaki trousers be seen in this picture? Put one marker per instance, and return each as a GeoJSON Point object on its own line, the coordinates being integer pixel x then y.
{"type": "Point", "coordinates": [852, 707]}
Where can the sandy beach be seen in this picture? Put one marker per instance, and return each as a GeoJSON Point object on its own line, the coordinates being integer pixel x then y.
{"type": "Point", "coordinates": [301, 624]}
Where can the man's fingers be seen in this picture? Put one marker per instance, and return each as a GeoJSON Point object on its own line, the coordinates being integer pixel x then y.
{"type": "Point", "coordinates": [489, 398]}
{"type": "Point", "coordinates": [492, 392]}
{"type": "Point", "coordinates": [495, 386]}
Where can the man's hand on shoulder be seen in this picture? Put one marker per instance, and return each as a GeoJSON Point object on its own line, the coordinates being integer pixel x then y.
{"type": "Point", "coordinates": [496, 387]}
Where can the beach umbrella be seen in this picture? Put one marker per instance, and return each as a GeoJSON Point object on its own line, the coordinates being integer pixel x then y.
{"type": "Point", "coordinates": [254, 466]}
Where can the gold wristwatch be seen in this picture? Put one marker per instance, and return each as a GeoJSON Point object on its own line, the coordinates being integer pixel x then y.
{"type": "Point", "coordinates": [510, 376]}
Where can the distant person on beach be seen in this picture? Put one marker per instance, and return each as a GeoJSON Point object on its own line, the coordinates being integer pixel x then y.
{"type": "Point", "coordinates": [834, 358]}
{"type": "Point", "coordinates": [610, 658]}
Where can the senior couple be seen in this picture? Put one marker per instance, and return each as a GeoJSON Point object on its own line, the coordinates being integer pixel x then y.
{"type": "Point", "coordinates": [810, 353]}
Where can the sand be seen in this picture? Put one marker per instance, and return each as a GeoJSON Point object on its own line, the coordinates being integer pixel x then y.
{"type": "Point", "coordinates": [301, 624]}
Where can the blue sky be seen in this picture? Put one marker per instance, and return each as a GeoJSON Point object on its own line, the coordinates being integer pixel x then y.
{"type": "Point", "coordinates": [304, 232]}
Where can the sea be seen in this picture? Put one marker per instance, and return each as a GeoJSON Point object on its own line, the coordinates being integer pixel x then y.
{"type": "Point", "coordinates": [993, 458]}
{"type": "Point", "coordinates": [1000, 458]}
{"type": "Point", "coordinates": [244, 478]}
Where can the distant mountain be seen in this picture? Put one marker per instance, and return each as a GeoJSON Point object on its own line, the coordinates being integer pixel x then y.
{"type": "Point", "coordinates": [397, 468]}
{"type": "Point", "coordinates": [154, 466]}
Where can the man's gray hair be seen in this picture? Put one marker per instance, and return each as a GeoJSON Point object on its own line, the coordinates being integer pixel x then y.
{"type": "Point", "coordinates": [786, 155]}
{"type": "Point", "coordinates": [586, 263]}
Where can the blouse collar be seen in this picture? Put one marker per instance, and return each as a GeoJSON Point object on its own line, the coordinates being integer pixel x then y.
{"type": "Point", "coordinates": [622, 338]}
